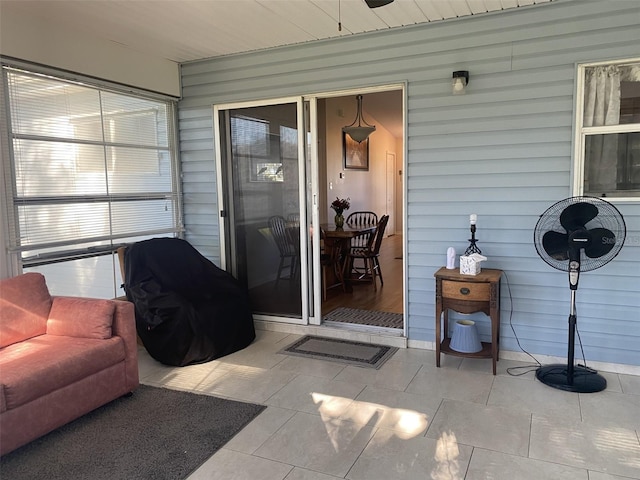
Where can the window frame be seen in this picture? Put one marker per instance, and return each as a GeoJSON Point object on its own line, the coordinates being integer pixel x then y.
{"type": "Point", "coordinates": [581, 132]}
{"type": "Point", "coordinates": [11, 201]}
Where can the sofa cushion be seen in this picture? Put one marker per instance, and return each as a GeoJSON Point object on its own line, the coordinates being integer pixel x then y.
{"type": "Point", "coordinates": [24, 307]}
{"type": "Point", "coordinates": [40, 365]}
{"type": "Point", "coordinates": [81, 317]}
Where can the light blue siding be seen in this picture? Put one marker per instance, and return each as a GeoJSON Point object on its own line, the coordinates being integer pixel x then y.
{"type": "Point", "coordinates": [199, 180]}
{"type": "Point", "coordinates": [503, 151]}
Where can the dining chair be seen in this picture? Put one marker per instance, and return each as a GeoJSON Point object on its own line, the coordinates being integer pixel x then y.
{"type": "Point", "coordinates": [360, 219]}
{"type": "Point", "coordinates": [293, 218]}
{"type": "Point", "coordinates": [287, 248]}
{"type": "Point", "coordinates": [369, 255]}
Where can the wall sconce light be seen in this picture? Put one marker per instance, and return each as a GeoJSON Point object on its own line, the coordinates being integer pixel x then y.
{"type": "Point", "coordinates": [460, 81]}
{"type": "Point", "coordinates": [360, 132]}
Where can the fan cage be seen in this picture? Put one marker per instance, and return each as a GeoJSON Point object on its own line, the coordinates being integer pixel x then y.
{"type": "Point", "coordinates": [608, 217]}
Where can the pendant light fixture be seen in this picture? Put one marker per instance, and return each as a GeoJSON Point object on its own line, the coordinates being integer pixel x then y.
{"type": "Point", "coordinates": [359, 132]}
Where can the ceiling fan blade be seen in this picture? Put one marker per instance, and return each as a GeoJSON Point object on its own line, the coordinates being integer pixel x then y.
{"type": "Point", "coordinates": [556, 245]}
{"type": "Point", "coordinates": [576, 216]}
{"type": "Point", "coordinates": [602, 241]}
{"type": "Point", "coordinates": [377, 3]}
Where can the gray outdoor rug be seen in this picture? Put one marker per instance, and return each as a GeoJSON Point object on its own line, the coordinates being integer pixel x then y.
{"type": "Point", "coordinates": [365, 317]}
{"type": "Point", "coordinates": [342, 351]}
{"type": "Point", "coordinates": [156, 433]}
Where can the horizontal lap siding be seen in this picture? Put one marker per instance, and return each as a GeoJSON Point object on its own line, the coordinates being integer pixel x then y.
{"type": "Point", "coordinates": [199, 180]}
{"type": "Point", "coordinates": [503, 151]}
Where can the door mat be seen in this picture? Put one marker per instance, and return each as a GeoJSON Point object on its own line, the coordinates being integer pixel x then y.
{"type": "Point", "coordinates": [365, 317]}
{"type": "Point", "coordinates": [341, 351]}
{"type": "Point", "coordinates": [156, 433]}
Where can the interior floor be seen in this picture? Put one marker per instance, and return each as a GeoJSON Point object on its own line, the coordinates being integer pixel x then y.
{"type": "Point", "coordinates": [387, 298]}
{"type": "Point", "coordinates": [410, 419]}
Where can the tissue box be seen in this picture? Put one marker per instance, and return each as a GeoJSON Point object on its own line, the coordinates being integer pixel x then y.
{"type": "Point", "coordinates": [469, 265]}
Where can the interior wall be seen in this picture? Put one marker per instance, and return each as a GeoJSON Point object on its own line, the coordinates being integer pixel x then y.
{"type": "Point", "coordinates": [366, 189]}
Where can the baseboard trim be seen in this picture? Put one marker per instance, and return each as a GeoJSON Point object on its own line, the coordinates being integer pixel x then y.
{"type": "Point", "coordinates": [365, 336]}
{"type": "Point", "coordinates": [543, 359]}
{"type": "Point", "coordinates": [380, 338]}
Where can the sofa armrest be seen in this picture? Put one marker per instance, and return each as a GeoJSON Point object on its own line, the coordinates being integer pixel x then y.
{"type": "Point", "coordinates": [124, 326]}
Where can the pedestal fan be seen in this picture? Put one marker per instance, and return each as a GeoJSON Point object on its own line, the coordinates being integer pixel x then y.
{"type": "Point", "coordinates": [576, 235]}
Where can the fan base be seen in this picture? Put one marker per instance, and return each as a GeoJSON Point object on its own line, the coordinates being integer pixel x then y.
{"type": "Point", "coordinates": [584, 380]}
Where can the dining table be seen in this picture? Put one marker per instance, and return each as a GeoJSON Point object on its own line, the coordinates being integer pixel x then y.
{"type": "Point", "coordinates": [340, 238]}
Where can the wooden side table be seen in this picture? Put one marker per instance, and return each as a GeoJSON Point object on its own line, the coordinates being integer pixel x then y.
{"type": "Point", "coordinates": [468, 294]}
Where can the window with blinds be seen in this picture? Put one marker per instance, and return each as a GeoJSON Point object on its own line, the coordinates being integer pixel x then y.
{"type": "Point", "coordinates": [91, 169]}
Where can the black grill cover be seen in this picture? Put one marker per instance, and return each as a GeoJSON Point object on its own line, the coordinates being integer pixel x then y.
{"type": "Point", "coordinates": [187, 309]}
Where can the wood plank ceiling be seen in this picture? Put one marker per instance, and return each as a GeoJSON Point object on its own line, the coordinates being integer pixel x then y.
{"type": "Point", "coordinates": [187, 30]}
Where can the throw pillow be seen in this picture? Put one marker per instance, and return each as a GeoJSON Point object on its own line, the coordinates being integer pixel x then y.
{"type": "Point", "coordinates": [81, 317]}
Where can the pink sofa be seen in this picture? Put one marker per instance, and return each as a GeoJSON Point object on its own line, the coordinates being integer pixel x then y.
{"type": "Point", "coordinates": [60, 357]}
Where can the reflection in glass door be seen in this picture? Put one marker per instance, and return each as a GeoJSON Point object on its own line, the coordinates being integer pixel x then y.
{"type": "Point", "coordinates": [262, 175]}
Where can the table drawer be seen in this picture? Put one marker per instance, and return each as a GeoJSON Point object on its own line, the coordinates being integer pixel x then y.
{"type": "Point", "coordinates": [466, 290]}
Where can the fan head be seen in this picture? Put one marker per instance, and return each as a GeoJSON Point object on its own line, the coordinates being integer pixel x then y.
{"type": "Point", "coordinates": [584, 229]}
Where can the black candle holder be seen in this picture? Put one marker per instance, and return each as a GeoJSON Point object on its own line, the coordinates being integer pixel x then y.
{"type": "Point", "coordinates": [472, 248]}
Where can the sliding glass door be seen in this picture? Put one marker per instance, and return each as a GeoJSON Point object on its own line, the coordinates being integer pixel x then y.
{"type": "Point", "coordinates": [263, 197]}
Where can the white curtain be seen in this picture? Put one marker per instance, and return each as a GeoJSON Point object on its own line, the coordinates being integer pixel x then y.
{"type": "Point", "coordinates": [601, 107]}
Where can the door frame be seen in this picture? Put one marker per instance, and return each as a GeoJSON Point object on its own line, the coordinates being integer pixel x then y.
{"type": "Point", "coordinates": [312, 98]}
{"type": "Point", "coordinates": [224, 199]}
{"type": "Point", "coordinates": [311, 316]}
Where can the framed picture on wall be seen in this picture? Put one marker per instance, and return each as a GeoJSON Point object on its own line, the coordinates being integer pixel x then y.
{"type": "Point", "coordinates": [355, 155]}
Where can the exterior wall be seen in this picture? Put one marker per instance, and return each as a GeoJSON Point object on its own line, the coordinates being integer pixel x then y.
{"type": "Point", "coordinates": [502, 151]}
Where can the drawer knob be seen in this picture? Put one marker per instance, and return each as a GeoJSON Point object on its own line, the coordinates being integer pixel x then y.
{"type": "Point", "coordinates": [465, 291]}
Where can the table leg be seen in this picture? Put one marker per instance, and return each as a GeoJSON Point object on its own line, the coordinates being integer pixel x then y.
{"type": "Point", "coordinates": [334, 247]}
{"type": "Point", "coordinates": [344, 245]}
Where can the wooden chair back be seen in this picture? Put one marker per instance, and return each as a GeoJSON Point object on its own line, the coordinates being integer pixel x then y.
{"type": "Point", "coordinates": [361, 219]}
{"type": "Point", "coordinates": [278, 226]}
{"type": "Point", "coordinates": [379, 235]}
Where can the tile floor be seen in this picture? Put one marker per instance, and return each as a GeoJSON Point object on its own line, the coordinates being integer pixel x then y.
{"type": "Point", "coordinates": [409, 420]}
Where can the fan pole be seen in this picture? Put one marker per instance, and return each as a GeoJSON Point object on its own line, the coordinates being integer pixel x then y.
{"type": "Point", "coordinates": [573, 319]}
{"type": "Point", "coordinates": [569, 377]}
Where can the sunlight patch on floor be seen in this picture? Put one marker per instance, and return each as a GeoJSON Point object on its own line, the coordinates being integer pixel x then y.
{"type": "Point", "coordinates": [405, 423]}
{"type": "Point", "coordinates": [447, 458]}
{"type": "Point", "coordinates": [618, 442]}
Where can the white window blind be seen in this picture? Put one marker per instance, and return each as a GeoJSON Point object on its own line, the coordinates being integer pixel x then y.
{"type": "Point", "coordinates": [91, 168]}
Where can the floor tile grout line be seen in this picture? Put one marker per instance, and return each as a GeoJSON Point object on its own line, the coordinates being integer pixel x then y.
{"type": "Point", "coordinates": [374, 432]}
{"type": "Point", "coordinates": [281, 388]}
{"type": "Point", "coordinates": [473, 451]}
{"type": "Point", "coordinates": [426, 432]}
{"type": "Point", "coordinates": [530, 434]}
{"type": "Point", "coordinates": [253, 454]}
{"type": "Point", "coordinates": [414, 377]}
